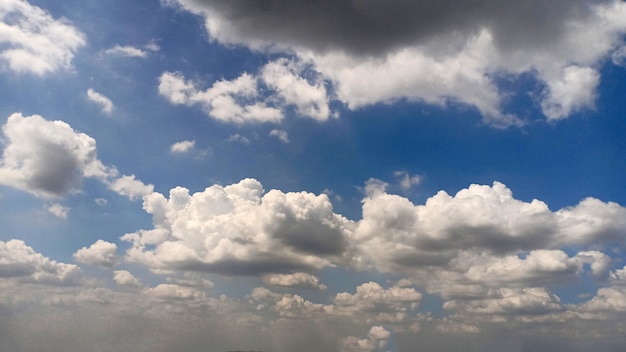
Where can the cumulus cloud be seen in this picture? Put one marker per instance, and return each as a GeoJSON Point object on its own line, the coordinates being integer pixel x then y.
{"type": "Point", "coordinates": [377, 339]}
{"type": "Point", "coordinates": [49, 159]}
{"type": "Point", "coordinates": [182, 147]}
{"type": "Point", "coordinates": [101, 253]}
{"type": "Point", "coordinates": [429, 51]}
{"type": "Point", "coordinates": [241, 100]}
{"type": "Point", "coordinates": [297, 280]}
{"type": "Point", "coordinates": [484, 218]}
{"type": "Point", "coordinates": [310, 99]}
{"type": "Point", "coordinates": [235, 230]}
{"type": "Point", "coordinates": [58, 210]}
{"type": "Point", "coordinates": [46, 158]}
{"type": "Point", "coordinates": [130, 187]}
{"type": "Point", "coordinates": [105, 103]}
{"type": "Point", "coordinates": [33, 41]}
{"type": "Point", "coordinates": [19, 261]}
{"type": "Point", "coordinates": [227, 101]}
{"type": "Point", "coordinates": [125, 278]}
{"type": "Point", "coordinates": [238, 138]}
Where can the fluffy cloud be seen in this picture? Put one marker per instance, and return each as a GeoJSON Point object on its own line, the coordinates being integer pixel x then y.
{"type": "Point", "coordinates": [228, 101]}
{"type": "Point", "coordinates": [130, 187]}
{"type": "Point", "coordinates": [285, 78]}
{"type": "Point", "coordinates": [297, 280]}
{"type": "Point", "coordinates": [35, 42]}
{"type": "Point", "coordinates": [377, 338]}
{"type": "Point", "coordinates": [235, 230]}
{"type": "Point", "coordinates": [21, 262]}
{"type": "Point", "coordinates": [240, 100]}
{"type": "Point", "coordinates": [58, 210]}
{"type": "Point", "coordinates": [101, 253]}
{"type": "Point", "coordinates": [182, 147]}
{"type": "Point", "coordinates": [428, 51]}
{"type": "Point", "coordinates": [49, 159]}
{"type": "Point", "coordinates": [46, 158]}
{"type": "Point", "coordinates": [105, 103]}
{"type": "Point", "coordinates": [125, 278]}
{"type": "Point", "coordinates": [479, 218]}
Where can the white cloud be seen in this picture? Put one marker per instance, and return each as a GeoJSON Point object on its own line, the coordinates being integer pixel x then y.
{"type": "Point", "coordinates": [408, 181]}
{"type": "Point", "coordinates": [168, 292]}
{"type": "Point", "coordinates": [21, 262]}
{"type": "Point", "coordinates": [281, 135]}
{"type": "Point", "coordinates": [182, 147]}
{"type": "Point", "coordinates": [32, 41]}
{"type": "Point", "coordinates": [298, 280]}
{"type": "Point", "coordinates": [125, 278]}
{"type": "Point", "coordinates": [285, 77]}
{"type": "Point", "coordinates": [479, 218]}
{"type": "Point", "coordinates": [105, 103]}
{"type": "Point", "coordinates": [433, 54]}
{"type": "Point", "coordinates": [58, 210]}
{"type": "Point", "coordinates": [101, 253]}
{"type": "Point", "coordinates": [47, 158]}
{"type": "Point", "coordinates": [234, 230]}
{"type": "Point", "coordinates": [377, 338]}
{"type": "Point", "coordinates": [132, 51]}
{"type": "Point", "coordinates": [233, 101]}
{"type": "Point", "coordinates": [575, 89]}
{"type": "Point", "coordinates": [130, 187]}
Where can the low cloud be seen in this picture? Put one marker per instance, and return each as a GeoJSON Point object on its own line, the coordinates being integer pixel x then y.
{"type": "Point", "coordinates": [101, 253]}
{"type": "Point", "coordinates": [49, 159]}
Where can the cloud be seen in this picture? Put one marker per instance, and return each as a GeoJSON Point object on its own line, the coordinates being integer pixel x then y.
{"type": "Point", "coordinates": [35, 42]}
{"type": "Point", "coordinates": [130, 187]}
{"type": "Point", "coordinates": [105, 103]}
{"type": "Point", "coordinates": [182, 147]}
{"type": "Point", "coordinates": [285, 77]}
{"type": "Point", "coordinates": [483, 218]}
{"type": "Point", "coordinates": [49, 159]}
{"type": "Point", "coordinates": [58, 210]}
{"type": "Point", "coordinates": [125, 278]}
{"type": "Point", "coordinates": [234, 229]}
{"type": "Point", "coordinates": [132, 51]}
{"type": "Point", "coordinates": [241, 100]}
{"type": "Point", "coordinates": [227, 101]}
{"type": "Point", "coordinates": [296, 280]}
{"type": "Point", "coordinates": [101, 253]}
{"type": "Point", "coordinates": [377, 338]}
{"type": "Point", "coordinates": [432, 52]}
{"type": "Point", "coordinates": [238, 138]}
{"type": "Point", "coordinates": [281, 135]}
{"type": "Point", "coordinates": [46, 158]}
{"type": "Point", "coordinates": [408, 181]}
{"type": "Point", "coordinates": [21, 262]}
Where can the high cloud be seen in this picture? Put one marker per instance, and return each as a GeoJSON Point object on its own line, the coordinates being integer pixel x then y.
{"type": "Point", "coordinates": [430, 51]}
{"type": "Point", "coordinates": [49, 159]}
{"type": "Point", "coordinates": [33, 41]}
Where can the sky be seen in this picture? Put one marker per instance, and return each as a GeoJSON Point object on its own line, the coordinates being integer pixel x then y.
{"type": "Point", "coordinates": [289, 175]}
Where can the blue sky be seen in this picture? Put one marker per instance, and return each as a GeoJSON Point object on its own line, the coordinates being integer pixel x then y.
{"type": "Point", "coordinates": [295, 175]}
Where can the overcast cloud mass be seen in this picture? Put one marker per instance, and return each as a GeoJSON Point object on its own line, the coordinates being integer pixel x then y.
{"type": "Point", "coordinates": [198, 175]}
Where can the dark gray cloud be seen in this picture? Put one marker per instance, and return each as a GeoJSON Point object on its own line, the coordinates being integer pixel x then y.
{"type": "Point", "coordinates": [374, 26]}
